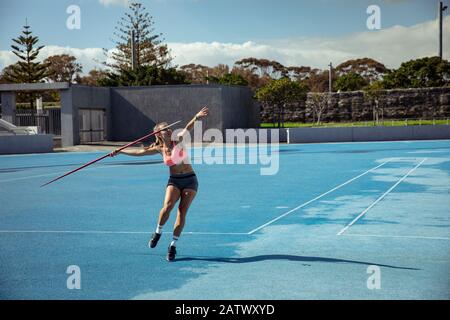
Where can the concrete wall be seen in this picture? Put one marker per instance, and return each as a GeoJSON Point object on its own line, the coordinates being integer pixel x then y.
{"type": "Point", "coordinates": [239, 110]}
{"type": "Point", "coordinates": [82, 97]}
{"type": "Point", "coordinates": [349, 134]}
{"type": "Point", "coordinates": [8, 106]}
{"type": "Point", "coordinates": [267, 134]}
{"type": "Point", "coordinates": [132, 112]}
{"type": "Point", "coordinates": [37, 143]}
{"type": "Point", "coordinates": [253, 135]}
{"type": "Point", "coordinates": [135, 110]}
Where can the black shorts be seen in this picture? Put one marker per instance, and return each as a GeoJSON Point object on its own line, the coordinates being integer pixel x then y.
{"type": "Point", "coordinates": [184, 181]}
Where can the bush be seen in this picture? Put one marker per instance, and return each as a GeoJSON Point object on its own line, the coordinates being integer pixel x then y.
{"type": "Point", "coordinates": [229, 79]}
{"type": "Point", "coordinates": [350, 82]}
{"type": "Point", "coordinates": [144, 76]}
{"type": "Point", "coordinates": [419, 73]}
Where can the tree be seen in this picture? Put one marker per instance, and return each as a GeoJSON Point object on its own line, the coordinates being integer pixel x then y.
{"type": "Point", "coordinates": [370, 69]}
{"type": "Point", "coordinates": [419, 73]}
{"type": "Point", "coordinates": [144, 76]}
{"type": "Point", "coordinates": [27, 69]}
{"type": "Point", "coordinates": [219, 71]}
{"type": "Point", "coordinates": [149, 48]}
{"type": "Point", "coordinates": [63, 68]}
{"type": "Point", "coordinates": [280, 92]}
{"type": "Point", "coordinates": [263, 67]}
{"type": "Point", "coordinates": [373, 93]}
{"type": "Point", "coordinates": [5, 71]}
{"type": "Point", "coordinates": [253, 80]}
{"type": "Point", "coordinates": [300, 73]}
{"type": "Point", "coordinates": [318, 81]}
{"type": "Point", "coordinates": [350, 82]}
{"type": "Point", "coordinates": [229, 79]}
{"type": "Point", "coordinates": [318, 102]}
{"type": "Point", "coordinates": [93, 78]}
{"type": "Point", "coordinates": [196, 73]}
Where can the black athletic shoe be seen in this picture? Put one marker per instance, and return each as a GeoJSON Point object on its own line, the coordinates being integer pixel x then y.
{"type": "Point", "coordinates": [154, 241]}
{"type": "Point", "coordinates": [171, 253]}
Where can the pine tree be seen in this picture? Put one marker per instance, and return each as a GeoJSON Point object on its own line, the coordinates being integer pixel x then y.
{"type": "Point", "coordinates": [149, 48]}
{"type": "Point", "coordinates": [27, 69]}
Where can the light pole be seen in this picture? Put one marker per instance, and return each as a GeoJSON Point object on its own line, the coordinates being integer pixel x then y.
{"type": "Point", "coordinates": [330, 78]}
{"type": "Point", "coordinates": [442, 8]}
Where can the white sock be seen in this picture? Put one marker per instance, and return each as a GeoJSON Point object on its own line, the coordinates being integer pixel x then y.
{"type": "Point", "coordinates": [159, 229]}
{"type": "Point", "coordinates": [174, 241]}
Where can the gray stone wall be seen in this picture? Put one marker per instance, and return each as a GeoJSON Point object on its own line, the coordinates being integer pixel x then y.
{"type": "Point", "coordinates": [352, 106]}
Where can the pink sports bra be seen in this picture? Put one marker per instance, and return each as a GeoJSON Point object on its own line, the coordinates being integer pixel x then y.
{"type": "Point", "coordinates": [176, 157]}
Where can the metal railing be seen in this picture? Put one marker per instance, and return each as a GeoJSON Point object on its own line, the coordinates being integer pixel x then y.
{"type": "Point", "coordinates": [7, 128]}
{"type": "Point", "coordinates": [48, 121]}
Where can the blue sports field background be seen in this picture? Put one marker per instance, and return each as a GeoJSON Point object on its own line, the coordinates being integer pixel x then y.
{"type": "Point", "coordinates": [248, 236]}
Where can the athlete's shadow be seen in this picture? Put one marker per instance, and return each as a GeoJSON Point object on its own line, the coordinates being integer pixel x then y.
{"type": "Point", "coordinates": [285, 257]}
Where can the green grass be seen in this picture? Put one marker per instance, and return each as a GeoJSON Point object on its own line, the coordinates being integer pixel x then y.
{"type": "Point", "coordinates": [389, 123]}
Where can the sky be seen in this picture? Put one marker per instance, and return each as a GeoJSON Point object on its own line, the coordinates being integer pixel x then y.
{"type": "Point", "coordinates": [293, 32]}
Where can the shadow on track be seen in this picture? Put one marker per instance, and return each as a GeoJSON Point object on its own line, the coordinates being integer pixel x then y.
{"type": "Point", "coordinates": [284, 257]}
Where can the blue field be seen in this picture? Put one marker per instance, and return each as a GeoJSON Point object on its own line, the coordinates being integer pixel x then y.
{"type": "Point", "coordinates": [338, 221]}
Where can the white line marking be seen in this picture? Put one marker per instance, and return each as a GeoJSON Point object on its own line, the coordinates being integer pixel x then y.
{"type": "Point", "coordinates": [31, 177]}
{"type": "Point", "coordinates": [316, 198]}
{"type": "Point", "coordinates": [379, 199]}
{"type": "Point", "coordinates": [58, 173]}
{"type": "Point", "coordinates": [388, 236]}
{"type": "Point", "coordinates": [116, 232]}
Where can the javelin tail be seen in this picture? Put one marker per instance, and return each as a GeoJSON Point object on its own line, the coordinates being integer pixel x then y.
{"type": "Point", "coordinates": [107, 155]}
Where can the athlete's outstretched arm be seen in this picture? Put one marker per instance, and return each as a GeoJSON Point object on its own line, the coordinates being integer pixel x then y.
{"type": "Point", "coordinates": [137, 153]}
{"type": "Point", "coordinates": [201, 114]}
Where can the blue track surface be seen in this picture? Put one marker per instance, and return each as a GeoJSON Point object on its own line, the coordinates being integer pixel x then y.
{"type": "Point", "coordinates": [248, 236]}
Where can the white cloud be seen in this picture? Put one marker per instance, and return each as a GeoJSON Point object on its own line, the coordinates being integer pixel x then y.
{"type": "Point", "coordinates": [85, 56]}
{"type": "Point", "coordinates": [7, 58]}
{"type": "Point", "coordinates": [214, 53]}
{"type": "Point", "coordinates": [89, 58]}
{"type": "Point", "coordinates": [108, 3]}
{"type": "Point", "coordinates": [390, 46]}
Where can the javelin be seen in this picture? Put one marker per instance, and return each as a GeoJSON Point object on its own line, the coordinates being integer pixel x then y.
{"type": "Point", "coordinates": [108, 155]}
